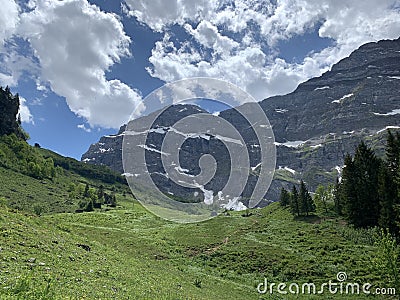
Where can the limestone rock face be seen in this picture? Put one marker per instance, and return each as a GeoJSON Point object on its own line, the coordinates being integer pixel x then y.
{"type": "Point", "coordinates": [314, 126]}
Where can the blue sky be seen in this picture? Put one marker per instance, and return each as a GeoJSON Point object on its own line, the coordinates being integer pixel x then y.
{"type": "Point", "coordinates": [82, 67]}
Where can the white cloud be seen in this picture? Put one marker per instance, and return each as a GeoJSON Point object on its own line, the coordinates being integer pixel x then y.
{"type": "Point", "coordinates": [76, 44]}
{"type": "Point", "coordinates": [209, 36]}
{"type": "Point", "coordinates": [84, 128]}
{"type": "Point", "coordinates": [9, 19]}
{"type": "Point", "coordinates": [259, 26]}
{"type": "Point", "coordinates": [158, 14]}
{"type": "Point", "coordinates": [24, 112]}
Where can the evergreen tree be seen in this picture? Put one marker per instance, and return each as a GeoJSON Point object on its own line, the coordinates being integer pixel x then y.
{"type": "Point", "coordinates": [360, 187]}
{"type": "Point", "coordinates": [393, 152]}
{"type": "Point", "coordinates": [388, 195]}
{"type": "Point", "coordinates": [389, 187]}
{"type": "Point", "coordinates": [294, 202]}
{"type": "Point", "coordinates": [89, 206]}
{"type": "Point", "coordinates": [338, 197]}
{"type": "Point", "coordinates": [100, 193]}
{"type": "Point", "coordinates": [113, 202]}
{"type": "Point", "coordinates": [306, 202]}
{"type": "Point", "coordinates": [284, 198]}
{"type": "Point", "coordinates": [348, 191]}
{"type": "Point", "coordinates": [86, 193]}
{"type": "Point", "coordinates": [367, 166]}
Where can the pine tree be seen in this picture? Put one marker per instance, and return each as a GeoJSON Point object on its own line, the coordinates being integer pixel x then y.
{"type": "Point", "coordinates": [348, 191]}
{"type": "Point", "coordinates": [306, 202]}
{"type": "Point", "coordinates": [338, 197]}
{"type": "Point", "coordinates": [389, 185]}
{"type": "Point", "coordinates": [392, 152]}
{"type": "Point", "coordinates": [360, 187]}
{"type": "Point", "coordinates": [86, 193]}
{"type": "Point", "coordinates": [294, 201]}
{"type": "Point", "coordinates": [284, 198]}
{"type": "Point", "coordinates": [388, 195]}
{"type": "Point", "coordinates": [100, 193]}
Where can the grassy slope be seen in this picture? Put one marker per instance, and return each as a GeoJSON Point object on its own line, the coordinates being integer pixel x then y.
{"type": "Point", "coordinates": [134, 255]}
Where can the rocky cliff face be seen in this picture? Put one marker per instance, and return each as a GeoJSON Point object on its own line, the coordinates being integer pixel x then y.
{"type": "Point", "coordinates": [314, 126]}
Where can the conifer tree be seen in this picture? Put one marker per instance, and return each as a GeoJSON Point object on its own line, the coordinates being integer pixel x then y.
{"type": "Point", "coordinates": [360, 187]}
{"type": "Point", "coordinates": [294, 201]}
{"type": "Point", "coordinates": [284, 199]}
{"type": "Point", "coordinates": [306, 202]}
{"type": "Point", "coordinates": [388, 195]}
{"type": "Point", "coordinates": [338, 197]}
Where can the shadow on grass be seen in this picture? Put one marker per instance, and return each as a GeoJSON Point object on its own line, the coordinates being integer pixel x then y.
{"type": "Point", "coordinates": [314, 219]}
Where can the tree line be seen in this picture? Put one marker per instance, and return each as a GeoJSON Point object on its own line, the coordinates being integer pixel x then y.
{"type": "Point", "coordinates": [366, 195]}
{"type": "Point", "coordinates": [299, 201]}
{"type": "Point", "coordinates": [90, 197]}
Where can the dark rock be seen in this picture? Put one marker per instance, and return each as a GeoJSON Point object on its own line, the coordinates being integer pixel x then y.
{"type": "Point", "coordinates": [314, 126]}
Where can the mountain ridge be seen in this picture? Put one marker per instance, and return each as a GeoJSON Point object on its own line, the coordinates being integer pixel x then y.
{"type": "Point", "coordinates": [315, 125]}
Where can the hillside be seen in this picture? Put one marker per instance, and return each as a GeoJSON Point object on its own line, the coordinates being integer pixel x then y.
{"type": "Point", "coordinates": [128, 253]}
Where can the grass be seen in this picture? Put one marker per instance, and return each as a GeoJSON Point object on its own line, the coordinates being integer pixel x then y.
{"type": "Point", "coordinates": [135, 255]}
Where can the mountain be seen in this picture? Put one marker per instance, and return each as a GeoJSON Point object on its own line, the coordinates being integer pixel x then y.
{"type": "Point", "coordinates": [314, 126]}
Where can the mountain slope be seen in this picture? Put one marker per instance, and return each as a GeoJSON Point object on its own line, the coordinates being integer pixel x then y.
{"type": "Point", "coordinates": [314, 126]}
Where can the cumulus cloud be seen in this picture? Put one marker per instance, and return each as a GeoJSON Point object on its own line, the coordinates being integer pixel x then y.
{"type": "Point", "coordinates": [24, 112]}
{"type": "Point", "coordinates": [243, 36]}
{"type": "Point", "coordinates": [158, 14]}
{"type": "Point", "coordinates": [9, 12]}
{"type": "Point", "coordinates": [84, 128]}
{"type": "Point", "coordinates": [76, 44]}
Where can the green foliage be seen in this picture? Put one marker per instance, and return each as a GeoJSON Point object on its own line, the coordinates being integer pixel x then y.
{"type": "Point", "coordinates": [387, 258]}
{"type": "Point", "coordinates": [370, 189]}
{"type": "Point", "coordinates": [93, 172]}
{"type": "Point", "coordinates": [324, 199]}
{"type": "Point", "coordinates": [306, 203]}
{"type": "Point", "coordinates": [17, 155]}
{"type": "Point", "coordinates": [136, 255]}
{"type": "Point", "coordinates": [359, 183]}
{"type": "Point", "coordinates": [284, 199]}
{"type": "Point", "coordinates": [294, 201]}
{"type": "Point", "coordinates": [301, 203]}
{"type": "Point", "coordinates": [10, 121]}
{"type": "Point", "coordinates": [26, 287]}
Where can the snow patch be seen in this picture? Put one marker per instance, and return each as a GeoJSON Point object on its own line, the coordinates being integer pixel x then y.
{"type": "Point", "coordinates": [152, 149]}
{"type": "Point", "coordinates": [343, 98]}
{"type": "Point", "coordinates": [322, 88]}
{"type": "Point", "coordinates": [287, 169]}
{"type": "Point", "coordinates": [254, 168]}
{"type": "Point", "coordinates": [281, 111]}
{"type": "Point", "coordinates": [233, 204]}
{"type": "Point", "coordinates": [208, 195]}
{"type": "Point", "coordinates": [290, 144]}
{"type": "Point", "coordinates": [102, 150]}
{"type": "Point", "coordinates": [130, 175]}
{"type": "Point", "coordinates": [316, 146]}
{"type": "Point", "coordinates": [114, 136]}
{"type": "Point", "coordinates": [391, 113]}
{"type": "Point", "coordinates": [386, 128]}
{"type": "Point", "coordinates": [394, 77]}
{"type": "Point", "coordinates": [88, 159]}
